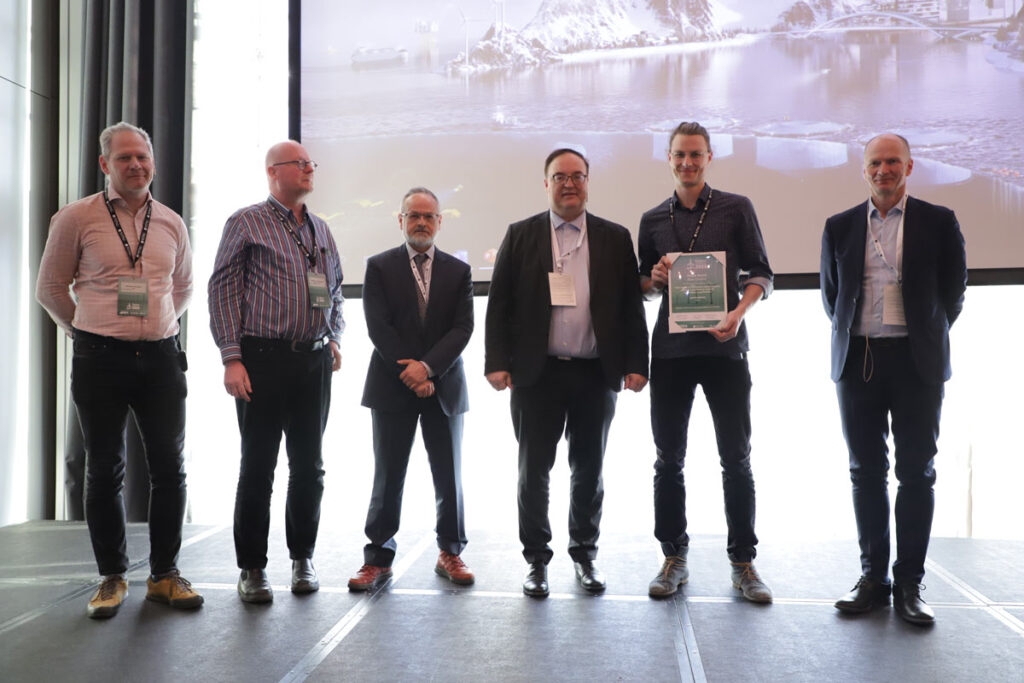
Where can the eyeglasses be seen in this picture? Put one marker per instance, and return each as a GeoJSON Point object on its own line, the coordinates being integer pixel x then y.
{"type": "Point", "coordinates": [415, 216]}
{"type": "Point", "coordinates": [576, 178]}
{"type": "Point", "coordinates": [301, 164]}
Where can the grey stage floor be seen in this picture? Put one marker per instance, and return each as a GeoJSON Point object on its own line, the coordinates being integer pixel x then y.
{"type": "Point", "coordinates": [420, 628]}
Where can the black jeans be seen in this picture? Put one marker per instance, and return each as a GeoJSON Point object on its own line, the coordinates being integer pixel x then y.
{"type": "Point", "coordinates": [865, 407]}
{"type": "Point", "coordinates": [571, 397]}
{"type": "Point", "coordinates": [726, 385]}
{"type": "Point", "coordinates": [109, 377]}
{"type": "Point", "coordinates": [291, 393]}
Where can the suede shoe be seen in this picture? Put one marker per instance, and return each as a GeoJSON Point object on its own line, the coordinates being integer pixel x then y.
{"type": "Point", "coordinates": [254, 586]}
{"type": "Point", "coordinates": [906, 599]}
{"type": "Point", "coordinates": [108, 597]}
{"type": "Point", "coordinates": [454, 569]}
{"type": "Point", "coordinates": [589, 576]}
{"type": "Point", "coordinates": [745, 578]}
{"type": "Point", "coordinates": [865, 596]}
{"type": "Point", "coordinates": [368, 577]}
{"type": "Point", "coordinates": [673, 574]}
{"type": "Point", "coordinates": [304, 578]}
{"type": "Point", "coordinates": [171, 589]}
{"type": "Point", "coordinates": [536, 582]}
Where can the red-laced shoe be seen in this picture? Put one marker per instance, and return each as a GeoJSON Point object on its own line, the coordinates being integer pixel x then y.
{"type": "Point", "coordinates": [454, 569]}
{"type": "Point", "coordinates": [368, 577]}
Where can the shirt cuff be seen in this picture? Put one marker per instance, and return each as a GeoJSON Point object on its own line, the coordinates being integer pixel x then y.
{"type": "Point", "coordinates": [230, 352]}
{"type": "Point", "coordinates": [430, 373]}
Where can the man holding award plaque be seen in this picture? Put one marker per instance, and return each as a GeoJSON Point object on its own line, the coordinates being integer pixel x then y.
{"type": "Point", "coordinates": [705, 256]}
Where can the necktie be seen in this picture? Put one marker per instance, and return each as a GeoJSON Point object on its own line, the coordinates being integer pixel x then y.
{"type": "Point", "coordinates": [421, 264]}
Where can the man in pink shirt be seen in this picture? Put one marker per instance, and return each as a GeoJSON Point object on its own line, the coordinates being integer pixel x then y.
{"type": "Point", "coordinates": [116, 275]}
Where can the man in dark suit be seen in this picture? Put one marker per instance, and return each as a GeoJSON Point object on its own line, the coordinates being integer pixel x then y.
{"type": "Point", "coordinates": [893, 275]}
{"type": "Point", "coordinates": [565, 331]}
{"type": "Point", "coordinates": [418, 303]}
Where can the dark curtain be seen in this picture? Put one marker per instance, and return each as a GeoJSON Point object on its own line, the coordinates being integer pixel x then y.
{"type": "Point", "coordinates": [137, 62]}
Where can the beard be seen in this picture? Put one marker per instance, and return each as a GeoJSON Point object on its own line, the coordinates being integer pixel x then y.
{"type": "Point", "coordinates": [420, 241]}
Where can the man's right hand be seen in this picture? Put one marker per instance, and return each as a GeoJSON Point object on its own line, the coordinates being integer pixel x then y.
{"type": "Point", "coordinates": [500, 379]}
{"type": "Point", "coordinates": [236, 380]}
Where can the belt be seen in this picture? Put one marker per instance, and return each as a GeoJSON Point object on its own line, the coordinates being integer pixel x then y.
{"type": "Point", "coordinates": [90, 338]}
{"type": "Point", "coordinates": [571, 358]}
{"type": "Point", "coordinates": [880, 342]}
{"type": "Point", "coordinates": [293, 345]}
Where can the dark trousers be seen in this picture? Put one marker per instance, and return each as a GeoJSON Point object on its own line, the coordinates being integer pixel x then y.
{"type": "Point", "coordinates": [571, 397]}
{"type": "Point", "coordinates": [109, 377]}
{"type": "Point", "coordinates": [726, 385]}
{"type": "Point", "coordinates": [865, 406]}
{"type": "Point", "coordinates": [393, 434]}
{"type": "Point", "coordinates": [291, 394]}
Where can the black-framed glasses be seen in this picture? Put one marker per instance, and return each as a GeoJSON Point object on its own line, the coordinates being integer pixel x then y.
{"type": "Point", "coordinates": [414, 216]}
{"type": "Point", "coordinates": [301, 164]}
{"type": "Point", "coordinates": [562, 178]}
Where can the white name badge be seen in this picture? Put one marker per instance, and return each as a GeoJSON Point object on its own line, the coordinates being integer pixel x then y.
{"type": "Point", "coordinates": [133, 296]}
{"type": "Point", "coordinates": [563, 289]}
{"type": "Point", "coordinates": [319, 297]}
{"type": "Point", "coordinates": [892, 306]}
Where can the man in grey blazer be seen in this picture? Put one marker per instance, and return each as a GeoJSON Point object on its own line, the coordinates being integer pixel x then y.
{"type": "Point", "coordinates": [893, 276]}
{"type": "Point", "coordinates": [418, 303]}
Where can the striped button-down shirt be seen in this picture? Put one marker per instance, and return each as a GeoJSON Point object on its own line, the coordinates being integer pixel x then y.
{"type": "Point", "coordinates": [85, 253]}
{"type": "Point", "coordinates": [259, 283]}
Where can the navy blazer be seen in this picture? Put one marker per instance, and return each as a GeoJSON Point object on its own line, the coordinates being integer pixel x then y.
{"type": "Point", "coordinates": [934, 281]}
{"type": "Point", "coordinates": [391, 306]}
{"type": "Point", "coordinates": [519, 302]}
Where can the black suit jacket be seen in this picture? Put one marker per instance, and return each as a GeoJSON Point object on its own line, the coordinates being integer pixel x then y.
{"type": "Point", "coordinates": [934, 281]}
{"type": "Point", "coordinates": [393, 322]}
{"type": "Point", "coordinates": [519, 303]}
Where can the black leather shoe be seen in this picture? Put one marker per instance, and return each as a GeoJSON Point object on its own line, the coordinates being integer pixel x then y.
{"type": "Point", "coordinates": [536, 582]}
{"type": "Point", "coordinates": [253, 586]}
{"type": "Point", "coordinates": [304, 578]}
{"type": "Point", "coordinates": [589, 576]}
{"type": "Point", "coordinates": [865, 596]}
{"type": "Point", "coordinates": [906, 599]}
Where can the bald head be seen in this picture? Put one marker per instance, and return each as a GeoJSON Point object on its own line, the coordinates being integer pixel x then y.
{"type": "Point", "coordinates": [288, 182]}
{"type": "Point", "coordinates": [887, 164]}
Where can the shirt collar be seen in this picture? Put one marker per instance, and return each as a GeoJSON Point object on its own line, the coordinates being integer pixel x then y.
{"type": "Point", "coordinates": [285, 211]}
{"type": "Point", "coordinates": [701, 199]}
{"type": "Point", "coordinates": [901, 207]}
{"type": "Point", "coordinates": [580, 222]}
{"type": "Point", "coordinates": [113, 194]}
{"type": "Point", "coordinates": [412, 252]}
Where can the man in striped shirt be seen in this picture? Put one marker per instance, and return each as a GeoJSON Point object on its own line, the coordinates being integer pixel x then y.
{"type": "Point", "coordinates": [275, 312]}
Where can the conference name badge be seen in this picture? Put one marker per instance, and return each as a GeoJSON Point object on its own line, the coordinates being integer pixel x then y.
{"type": "Point", "coordinates": [319, 296]}
{"type": "Point", "coordinates": [696, 291]}
{"type": "Point", "coordinates": [563, 289]}
{"type": "Point", "coordinates": [133, 296]}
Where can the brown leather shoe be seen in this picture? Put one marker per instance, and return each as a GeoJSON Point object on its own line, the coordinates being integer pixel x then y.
{"type": "Point", "coordinates": [369, 577]}
{"type": "Point", "coordinates": [108, 597]}
{"type": "Point", "coordinates": [174, 590]}
{"type": "Point", "coordinates": [454, 569]}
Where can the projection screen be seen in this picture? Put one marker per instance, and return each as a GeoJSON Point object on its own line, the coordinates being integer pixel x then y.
{"type": "Point", "coordinates": [790, 92]}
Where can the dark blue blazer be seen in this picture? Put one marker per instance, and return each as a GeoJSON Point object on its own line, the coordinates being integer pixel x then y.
{"type": "Point", "coordinates": [934, 280]}
{"type": "Point", "coordinates": [393, 322]}
{"type": "Point", "coordinates": [519, 302]}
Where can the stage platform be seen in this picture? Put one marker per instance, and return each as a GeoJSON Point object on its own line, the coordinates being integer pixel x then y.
{"type": "Point", "coordinates": [421, 628]}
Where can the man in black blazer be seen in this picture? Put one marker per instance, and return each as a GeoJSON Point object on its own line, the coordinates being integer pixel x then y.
{"type": "Point", "coordinates": [893, 276]}
{"type": "Point", "coordinates": [418, 303]}
{"type": "Point", "coordinates": [565, 331]}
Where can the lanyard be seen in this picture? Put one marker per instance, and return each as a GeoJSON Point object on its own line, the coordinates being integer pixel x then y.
{"type": "Point", "coordinates": [416, 274]}
{"type": "Point", "coordinates": [877, 244]}
{"type": "Point", "coordinates": [310, 255]}
{"type": "Point", "coordinates": [700, 221]}
{"type": "Point", "coordinates": [133, 259]}
{"type": "Point", "coordinates": [555, 251]}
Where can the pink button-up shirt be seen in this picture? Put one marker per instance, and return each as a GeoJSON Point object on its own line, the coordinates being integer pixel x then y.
{"type": "Point", "coordinates": [84, 259]}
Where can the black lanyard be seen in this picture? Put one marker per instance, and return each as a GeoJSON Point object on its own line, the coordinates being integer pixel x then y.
{"type": "Point", "coordinates": [700, 221]}
{"type": "Point", "coordinates": [310, 255]}
{"type": "Point", "coordinates": [120, 232]}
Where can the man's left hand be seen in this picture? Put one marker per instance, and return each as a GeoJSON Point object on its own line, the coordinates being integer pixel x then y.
{"type": "Point", "coordinates": [728, 328]}
{"type": "Point", "coordinates": [336, 355]}
{"type": "Point", "coordinates": [635, 381]}
{"type": "Point", "coordinates": [415, 373]}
